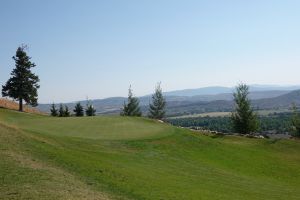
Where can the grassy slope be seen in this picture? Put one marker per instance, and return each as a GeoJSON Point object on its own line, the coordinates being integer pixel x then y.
{"type": "Point", "coordinates": [113, 157]}
{"type": "Point", "coordinates": [22, 176]}
{"type": "Point", "coordinates": [13, 105]}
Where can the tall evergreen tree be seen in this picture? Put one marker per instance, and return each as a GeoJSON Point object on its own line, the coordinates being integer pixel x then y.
{"type": "Point", "coordinates": [296, 122]}
{"type": "Point", "coordinates": [157, 107]}
{"type": "Point", "coordinates": [78, 110]}
{"type": "Point", "coordinates": [66, 112]}
{"type": "Point", "coordinates": [61, 111]}
{"type": "Point", "coordinates": [90, 110]}
{"type": "Point", "coordinates": [53, 110]}
{"type": "Point", "coordinates": [132, 107]}
{"type": "Point", "coordinates": [244, 120]}
{"type": "Point", "coordinates": [23, 84]}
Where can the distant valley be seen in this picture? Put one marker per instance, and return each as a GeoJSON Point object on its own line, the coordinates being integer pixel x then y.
{"type": "Point", "coordinates": [202, 100]}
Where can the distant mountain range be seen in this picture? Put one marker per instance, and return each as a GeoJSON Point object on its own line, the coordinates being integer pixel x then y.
{"type": "Point", "coordinates": [220, 90]}
{"type": "Point", "coordinates": [284, 101]}
{"type": "Point", "coordinates": [209, 99]}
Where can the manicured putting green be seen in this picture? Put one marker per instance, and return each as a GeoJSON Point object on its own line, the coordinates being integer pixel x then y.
{"type": "Point", "coordinates": [107, 128]}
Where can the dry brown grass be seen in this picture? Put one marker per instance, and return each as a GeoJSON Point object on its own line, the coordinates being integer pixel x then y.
{"type": "Point", "coordinates": [9, 104]}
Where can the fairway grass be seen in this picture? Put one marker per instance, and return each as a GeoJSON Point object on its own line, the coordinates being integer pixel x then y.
{"type": "Point", "coordinates": [25, 177]}
{"type": "Point", "coordinates": [135, 158]}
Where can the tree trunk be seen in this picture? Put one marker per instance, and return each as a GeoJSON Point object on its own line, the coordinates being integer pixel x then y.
{"type": "Point", "coordinates": [20, 104]}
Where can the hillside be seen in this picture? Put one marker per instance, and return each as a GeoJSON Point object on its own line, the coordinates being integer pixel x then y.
{"type": "Point", "coordinates": [114, 104]}
{"type": "Point", "coordinates": [284, 101]}
{"type": "Point", "coordinates": [215, 90]}
{"type": "Point", "coordinates": [9, 104]}
{"type": "Point", "coordinates": [135, 158]}
{"type": "Point", "coordinates": [200, 91]}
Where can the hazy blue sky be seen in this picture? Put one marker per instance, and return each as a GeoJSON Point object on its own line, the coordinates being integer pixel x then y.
{"type": "Point", "coordinates": [97, 48]}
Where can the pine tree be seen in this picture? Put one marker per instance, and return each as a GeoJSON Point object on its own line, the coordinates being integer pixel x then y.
{"type": "Point", "coordinates": [90, 110]}
{"type": "Point", "coordinates": [66, 112]}
{"type": "Point", "coordinates": [78, 110]}
{"type": "Point", "coordinates": [295, 122]}
{"type": "Point", "coordinates": [132, 107]}
{"type": "Point", "coordinates": [244, 120]}
{"type": "Point", "coordinates": [23, 84]}
{"type": "Point", "coordinates": [53, 110]}
{"type": "Point", "coordinates": [157, 108]}
{"type": "Point", "coordinates": [61, 111]}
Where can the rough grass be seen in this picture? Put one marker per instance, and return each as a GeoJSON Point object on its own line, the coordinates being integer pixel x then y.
{"type": "Point", "coordinates": [129, 158]}
{"type": "Point", "coordinates": [9, 104]}
{"type": "Point", "coordinates": [22, 176]}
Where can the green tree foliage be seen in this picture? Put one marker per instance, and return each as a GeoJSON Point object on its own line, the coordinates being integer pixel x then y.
{"type": "Point", "coordinates": [221, 124]}
{"type": "Point", "coordinates": [296, 122]}
{"type": "Point", "coordinates": [275, 122]}
{"type": "Point", "coordinates": [66, 112]}
{"type": "Point", "coordinates": [244, 120]}
{"type": "Point", "coordinates": [132, 107]}
{"type": "Point", "coordinates": [53, 110]}
{"type": "Point", "coordinates": [78, 110]}
{"type": "Point", "coordinates": [157, 107]}
{"type": "Point", "coordinates": [23, 84]}
{"type": "Point", "coordinates": [90, 110]}
{"type": "Point", "coordinates": [61, 111]}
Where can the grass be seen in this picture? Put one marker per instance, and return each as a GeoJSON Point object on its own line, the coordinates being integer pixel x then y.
{"type": "Point", "coordinates": [23, 176]}
{"type": "Point", "coordinates": [136, 158]}
{"type": "Point", "coordinates": [9, 104]}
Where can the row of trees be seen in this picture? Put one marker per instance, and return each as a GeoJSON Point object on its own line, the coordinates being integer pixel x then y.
{"type": "Point", "coordinates": [23, 86]}
{"type": "Point", "coordinates": [131, 108]}
{"type": "Point", "coordinates": [79, 111]}
{"type": "Point", "coordinates": [157, 108]}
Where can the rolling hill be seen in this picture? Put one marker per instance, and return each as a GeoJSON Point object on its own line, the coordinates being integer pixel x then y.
{"type": "Point", "coordinates": [114, 104]}
{"type": "Point", "coordinates": [104, 157]}
{"type": "Point", "coordinates": [200, 91]}
{"type": "Point", "coordinates": [221, 90]}
{"type": "Point", "coordinates": [276, 103]}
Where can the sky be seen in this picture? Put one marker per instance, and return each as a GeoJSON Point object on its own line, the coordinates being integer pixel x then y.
{"type": "Point", "coordinates": [96, 49]}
